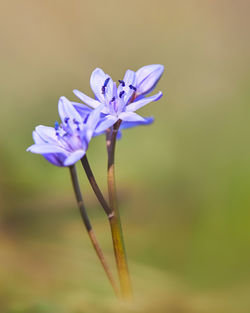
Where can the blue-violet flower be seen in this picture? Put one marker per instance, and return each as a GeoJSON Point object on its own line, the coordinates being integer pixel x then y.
{"type": "Point", "coordinates": [119, 103]}
{"type": "Point", "coordinates": [65, 144]}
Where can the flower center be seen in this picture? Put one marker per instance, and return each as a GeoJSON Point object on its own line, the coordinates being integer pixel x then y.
{"type": "Point", "coordinates": [69, 135]}
{"type": "Point", "coordinates": [116, 103]}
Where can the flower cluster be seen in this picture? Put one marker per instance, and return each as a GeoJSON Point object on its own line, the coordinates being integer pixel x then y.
{"type": "Point", "coordinates": [66, 143]}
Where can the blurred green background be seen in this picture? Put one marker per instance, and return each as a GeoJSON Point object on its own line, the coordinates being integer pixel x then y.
{"type": "Point", "coordinates": [183, 182]}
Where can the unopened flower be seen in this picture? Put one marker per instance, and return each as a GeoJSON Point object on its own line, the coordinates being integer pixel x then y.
{"type": "Point", "coordinates": [118, 102]}
{"type": "Point", "coordinates": [65, 144]}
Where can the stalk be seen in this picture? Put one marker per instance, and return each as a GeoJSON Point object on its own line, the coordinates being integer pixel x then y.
{"type": "Point", "coordinates": [115, 222]}
{"type": "Point", "coordinates": [94, 185]}
{"type": "Point", "coordinates": [89, 229]}
{"type": "Point", "coordinates": [112, 212]}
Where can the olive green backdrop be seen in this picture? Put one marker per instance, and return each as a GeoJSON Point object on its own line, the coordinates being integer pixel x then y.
{"type": "Point", "coordinates": [183, 182]}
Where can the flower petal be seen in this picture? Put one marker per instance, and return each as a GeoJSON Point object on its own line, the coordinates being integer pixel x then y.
{"type": "Point", "coordinates": [147, 121]}
{"type": "Point", "coordinates": [105, 123]}
{"type": "Point", "coordinates": [37, 139]}
{"type": "Point", "coordinates": [94, 117]}
{"type": "Point", "coordinates": [131, 117]}
{"type": "Point", "coordinates": [46, 148]}
{"type": "Point", "coordinates": [81, 107]}
{"type": "Point", "coordinates": [74, 157]}
{"type": "Point", "coordinates": [55, 158]}
{"type": "Point", "coordinates": [67, 110]}
{"type": "Point", "coordinates": [92, 121]}
{"type": "Point", "coordinates": [140, 103]}
{"type": "Point", "coordinates": [86, 99]}
{"type": "Point", "coordinates": [97, 81]}
{"type": "Point", "coordinates": [46, 133]}
{"type": "Point", "coordinates": [147, 77]}
{"type": "Point", "coordinates": [125, 125]}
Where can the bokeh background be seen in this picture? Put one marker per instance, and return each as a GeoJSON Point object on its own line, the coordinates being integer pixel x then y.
{"type": "Point", "coordinates": [183, 182]}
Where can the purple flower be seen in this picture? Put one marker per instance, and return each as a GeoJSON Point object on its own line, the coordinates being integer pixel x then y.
{"type": "Point", "coordinates": [118, 102]}
{"type": "Point", "coordinates": [65, 144]}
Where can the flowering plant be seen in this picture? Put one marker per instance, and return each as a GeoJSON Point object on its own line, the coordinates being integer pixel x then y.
{"type": "Point", "coordinates": [112, 110]}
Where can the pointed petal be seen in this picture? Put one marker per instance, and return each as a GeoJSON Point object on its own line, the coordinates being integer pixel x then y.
{"type": "Point", "coordinates": [46, 148]}
{"type": "Point", "coordinates": [86, 99]}
{"type": "Point", "coordinates": [46, 133]}
{"type": "Point", "coordinates": [147, 77]}
{"type": "Point", "coordinates": [92, 121]}
{"type": "Point", "coordinates": [131, 117]}
{"type": "Point", "coordinates": [83, 110]}
{"type": "Point", "coordinates": [94, 117]}
{"type": "Point", "coordinates": [81, 107]}
{"type": "Point", "coordinates": [141, 103]}
{"type": "Point", "coordinates": [125, 125]}
{"type": "Point", "coordinates": [105, 123]}
{"type": "Point", "coordinates": [147, 121]}
{"type": "Point", "coordinates": [97, 81]}
{"type": "Point", "coordinates": [55, 158]}
{"type": "Point", "coordinates": [74, 157]}
{"type": "Point", "coordinates": [67, 110]}
{"type": "Point", "coordinates": [37, 139]}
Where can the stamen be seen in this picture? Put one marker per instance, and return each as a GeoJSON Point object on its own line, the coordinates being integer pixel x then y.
{"type": "Point", "coordinates": [76, 122]}
{"type": "Point", "coordinates": [56, 125]}
{"type": "Point", "coordinates": [121, 93]}
{"type": "Point", "coordinates": [57, 133]}
{"type": "Point", "coordinates": [132, 87]}
{"type": "Point", "coordinates": [105, 85]}
{"type": "Point", "coordinates": [112, 100]}
{"type": "Point", "coordinates": [121, 82]}
{"type": "Point", "coordinates": [106, 82]}
{"type": "Point", "coordinates": [78, 128]}
{"type": "Point", "coordinates": [66, 119]}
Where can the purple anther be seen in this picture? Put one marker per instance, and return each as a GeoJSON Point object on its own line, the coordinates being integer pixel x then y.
{"type": "Point", "coordinates": [106, 82]}
{"type": "Point", "coordinates": [121, 93]}
{"type": "Point", "coordinates": [66, 119]}
{"type": "Point", "coordinates": [56, 125]}
{"type": "Point", "coordinates": [132, 87]}
{"type": "Point", "coordinates": [121, 82]}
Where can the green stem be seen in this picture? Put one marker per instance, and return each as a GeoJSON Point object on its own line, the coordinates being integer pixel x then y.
{"type": "Point", "coordinates": [89, 229]}
{"type": "Point", "coordinates": [115, 222]}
